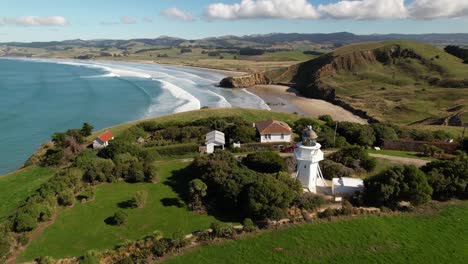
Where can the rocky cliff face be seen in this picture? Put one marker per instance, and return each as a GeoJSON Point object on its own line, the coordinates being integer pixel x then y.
{"type": "Point", "coordinates": [245, 81]}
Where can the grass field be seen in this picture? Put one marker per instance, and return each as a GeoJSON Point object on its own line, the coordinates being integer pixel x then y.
{"type": "Point", "coordinates": [82, 227]}
{"type": "Point", "coordinates": [441, 237]}
{"type": "Point", "coordinates": [17, 186]}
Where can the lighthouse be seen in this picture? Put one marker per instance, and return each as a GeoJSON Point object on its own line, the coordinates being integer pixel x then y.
{"type": "Point", "coordinates": [308, 155]}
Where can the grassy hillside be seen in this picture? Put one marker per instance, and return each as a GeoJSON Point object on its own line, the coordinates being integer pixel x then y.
{"type": "Point", "coordinates": [249, 115]}
{"type": "Point", "coordinates": [441, 237]}
{"type": "Point", "coordinates": [82, 227]}
{"type": "Point", "coordinates": [16, 187]}
{"type": "Point", "coordinates": [397, 81]}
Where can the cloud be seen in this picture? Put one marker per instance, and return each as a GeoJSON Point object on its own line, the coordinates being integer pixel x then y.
{"type": "Point", "coordinates": [29, 21]}
{"type": "Point", "coordinates": [148, 19]}
{"type": "Point", "coordinates": [433, 9]}
{"type": "Point", "coordinates": [365, 9]}
{"type": "Point", "coordinates": [177, 14]}
{"type": "Point", "coordinates": [127, 20]}
{"type": "Point", "coordinates": [251, 9]}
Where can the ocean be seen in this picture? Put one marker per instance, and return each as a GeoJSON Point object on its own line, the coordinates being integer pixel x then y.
{"type": "Point", "coordinates": [41, 96]}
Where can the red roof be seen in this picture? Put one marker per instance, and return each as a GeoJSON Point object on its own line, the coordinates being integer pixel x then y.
{"type": "Point", "coordinates": [273, 127]}
{"type": "Point", "coordinates": [106, 136]}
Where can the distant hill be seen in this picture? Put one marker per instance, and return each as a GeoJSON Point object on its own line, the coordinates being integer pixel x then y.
{"type": "Point", "coordinates": [397, 81]}
{"type": "Point", "coordinates": [340, 38]}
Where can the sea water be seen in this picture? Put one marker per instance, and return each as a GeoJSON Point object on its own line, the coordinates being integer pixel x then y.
{"type": "Point", "coordinates": [39, 97]}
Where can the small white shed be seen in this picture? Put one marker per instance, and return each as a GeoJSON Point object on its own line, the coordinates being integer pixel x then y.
{"type": "Point", "coordinates": [214, 139]}
{"type": "Point", "coordinates": [346, 186]}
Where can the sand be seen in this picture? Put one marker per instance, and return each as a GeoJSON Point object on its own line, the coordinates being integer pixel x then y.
{"type": "Point", "coordinates": [286, 99]}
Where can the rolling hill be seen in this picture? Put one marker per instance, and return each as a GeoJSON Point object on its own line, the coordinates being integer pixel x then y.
{"type": "Point", "coordinates": [403, 82]}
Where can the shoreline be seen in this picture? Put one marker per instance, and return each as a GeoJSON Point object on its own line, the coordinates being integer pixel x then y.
{"type": "Point", "coordinates": [286, 99]}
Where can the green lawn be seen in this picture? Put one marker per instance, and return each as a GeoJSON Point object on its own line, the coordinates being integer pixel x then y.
{"type": "Point", "coordinates": [17, 186]}
{"type": "Point", "coordinates": [441, 237]}
{"type": "Point", "coordinates": [82, 227]}
{"type": "Point", "coordinates": [402, 154]}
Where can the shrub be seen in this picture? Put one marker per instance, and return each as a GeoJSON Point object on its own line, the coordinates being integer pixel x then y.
{"type": "Point", "coordinates": [222, 230]}
{"type": "Point", "coordinates": [91, 257]}
{"type": "Point", "coordinates": [45, 260]}
{"type": "Point", "coordinates": [119, 218]}
{"type": "Point", "coordinates": [23, 239]}
{"type": "Point", "coordinates": [4, 244]}
{"type": "Point", "coordinates": [347, 208]}
{"type": "Point", "coordinates": [265, 162]}
{"type": "Point", "coordinates": [66, 198]}
{"type": "Point", "coordinates": [331, 169]}
{"type": "Point", "coordinates": [139, 198]}
{"type": "Point", "coordinates": [161, 247]}
{"type": "Point", "coordinates": [448, 179]}
{"type": "Point", "coordinates": [310, 201]}
{"type": "Point", "coordinates": [197, 190]}
{"type": "Point", "coordinates": [249, 225]}
{"type": "Point", "coordinates": [354, 157]}
{"type": "Point", "coordinates": [384, 132]}
{"type": "Point", "coordinates": [178, 240]}
{"type": "Point", "coordinates": [399, 183]}
{"type": "Point", "coordinates": [327, 213]}
{"type": "Point", "coordinates": [362, 135]}
{"type": "Point", "coordinates": [24, 222]}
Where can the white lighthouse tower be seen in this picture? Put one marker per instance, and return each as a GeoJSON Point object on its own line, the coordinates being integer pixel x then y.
{"type": "Point", "coordinates": [308, 155]}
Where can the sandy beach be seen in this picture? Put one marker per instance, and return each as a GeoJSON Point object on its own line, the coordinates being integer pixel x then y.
{"type": "Point", "coordinates": [286, 99]}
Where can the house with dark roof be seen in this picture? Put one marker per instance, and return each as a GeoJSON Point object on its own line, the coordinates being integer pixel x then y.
{"type": "Point", "coordinates": [274, 131]}
{"type": "Point", "coordinates": [103, 140]}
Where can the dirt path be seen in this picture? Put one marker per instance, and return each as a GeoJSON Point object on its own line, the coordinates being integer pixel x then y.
{"type": "Point", "coordinates": [286, 99]}
{"type": "Point", "coordinates": [406, 161]}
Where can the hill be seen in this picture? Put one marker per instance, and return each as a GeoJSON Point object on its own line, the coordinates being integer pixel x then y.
{"type": "Point", "coordinates": [398, 81]}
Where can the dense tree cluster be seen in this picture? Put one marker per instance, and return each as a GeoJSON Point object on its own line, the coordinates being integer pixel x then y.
{"type": "Point", "coordinates": [231, 185]}
{"type": "Point", "coordinates": [354, 157]}
{"type": "Point", "coordinates": [458, 52]}
{"type": "Point", "coordinates": [265, 162]}
{"type": "Point", "coordinates": [449, 179]}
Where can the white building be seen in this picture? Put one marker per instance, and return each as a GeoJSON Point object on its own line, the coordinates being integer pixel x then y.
{"type": "Point", "coordinates": [103, 140]}
{"type": "Point", "coordinates": [308, 155]}
{"type": "Point", "coordinates": [274, 131]}
{"type": "Point", "coordinates": [346, 186]}
{"type": "Point", "coordinates": [214, 139]}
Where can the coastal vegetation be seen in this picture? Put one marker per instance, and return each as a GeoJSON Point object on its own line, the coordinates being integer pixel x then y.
{"type": "Point", "coordinates": [141, 189]}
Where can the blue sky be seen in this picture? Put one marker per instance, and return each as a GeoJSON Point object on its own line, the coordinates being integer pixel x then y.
{"type": "Point", "coordinates": [33, 20]}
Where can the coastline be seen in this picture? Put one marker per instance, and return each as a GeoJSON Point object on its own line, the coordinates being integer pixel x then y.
{"type": "Point", "coordinates": [286, 99]}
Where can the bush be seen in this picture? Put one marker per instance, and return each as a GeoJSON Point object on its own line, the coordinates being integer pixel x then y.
{"type": "Point", "coordinates": [25, 222]}
{"type": "Point", "coordinates": [354, 157]}
{"type": "Point", "coordinates": [384, 132]}
{"type": "Point", "coordinates": [222, 230]}
{"type": "Point", "coordinates": [310, 201]}
{"type": "Point", "coordinates": [45, 260]}
{"type": "Point", "coordinates": [448, 179]}
{"type": "Point", "coordinates": [66, 198]}
{"type": "Point", "coordinates": [331, 169]}
{"type": "Point", "coordinates": [119, 218]}
{"type": "Point", "coordinates": [265, 162]}
{"type": "Point", "coordinates": [139, 198]}
{"type": "Point", "coordinates": [91, 257]}
{"type": "Point", "coordinates": [197, 190]}
{"type": "Point", "coordinates": [362, 135]}
{"type": "Point", "coordinates": [23, 239]}
{"type": "Point", "coordinates": [249, 225]}
{"type": "Point", "coordinates": [161, 247]}
{"type": "Point", "coordinates": [397, 184]}
{"type": "Point", "coordinates": [178, 240]}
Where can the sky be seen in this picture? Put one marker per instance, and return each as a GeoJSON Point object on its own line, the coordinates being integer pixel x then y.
{"type": "Point", "coordinates": [47, 20]}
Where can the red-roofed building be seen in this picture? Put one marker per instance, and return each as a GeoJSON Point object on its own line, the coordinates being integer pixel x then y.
{"type": "Point", "coordinates": [103, 140]}
{"type": "Point", "coordinates": [274, 131]}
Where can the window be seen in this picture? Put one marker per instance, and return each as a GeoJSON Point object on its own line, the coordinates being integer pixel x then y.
{"type": "Point", "coordinates": [282, 136]}
{"type": "Point", "coordinates": [269, 136]}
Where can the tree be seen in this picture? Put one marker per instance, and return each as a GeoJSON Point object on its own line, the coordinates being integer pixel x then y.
{"type": "Point", "coordinates": [66, 198]}
{"type": "Point", "coordinates": [139, 198]}
{"type": "Point", "coordinates": [265, 162]}
{"type": "Point", "coordinates": [197, 190]}
{"type": "Point", "coordinates": [241, 133]}
{"type": "Point", "coordinates": [354, 157]}
{"type": "Point", "coordinates": [86, 130]}
{"type": "Point", "coordinates": [303, 123]}
{"type": "Point", "coordinates": [448, 179]}
{"type": "Point", "coordinates": [362, 135]}
{"type": "Point", "coordinates": [269, 196]}
{"type": "Point", "coordinates": [383, 132]}
{"type": "Point", "coordinates": [399, 183]}
{"type": "Point", "coordinates": [119, 218]}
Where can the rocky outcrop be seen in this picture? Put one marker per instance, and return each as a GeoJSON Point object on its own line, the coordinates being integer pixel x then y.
{"type": "Point", "coordinates": [245, 81]}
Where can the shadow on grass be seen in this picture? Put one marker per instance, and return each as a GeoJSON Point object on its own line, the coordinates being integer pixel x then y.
{"type": "Point", "coordinates": [129, 204]}
{"type": "Point", "coordinates": [178, 181]}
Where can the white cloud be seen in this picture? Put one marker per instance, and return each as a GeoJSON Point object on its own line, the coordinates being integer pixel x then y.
{"type": "Point", "coordinates": [177, 14]}
{"type": "Point", "coordinates": [246, 9]}
{"type": "Point", "coordinates": [432, 9]}
{"type": "Point", "coordinates": [127, 20]}
{"type": "Point", "coordinates": [365, 9]}
{"type": "Point", "coordinates": [27, 21]}
{"type": "Point", "coordinates": [148, 19]}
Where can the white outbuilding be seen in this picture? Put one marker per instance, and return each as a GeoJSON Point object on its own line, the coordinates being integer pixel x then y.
{"type": "Point", "coordinates": [215, 139]}
{"type": "Point", "coordinates": [346, 186]}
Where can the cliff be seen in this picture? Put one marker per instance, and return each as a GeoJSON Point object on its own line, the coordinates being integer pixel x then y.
{"type": "Point", "coordinates": [245, 80]}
